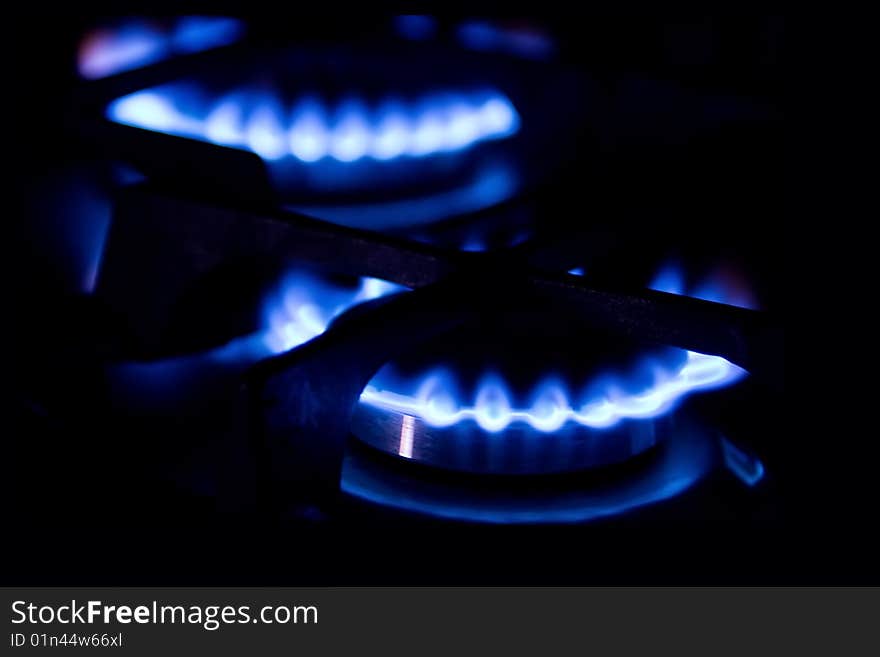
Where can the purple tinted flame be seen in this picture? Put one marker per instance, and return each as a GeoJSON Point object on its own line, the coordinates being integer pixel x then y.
{"type": "Point", "coordinates": [309, 130]}
{"type": "Point", "coordinates": [724, 286]}
{"type": "Point", "coordinates": [523, 41]}
{"type": "Point", "coordinates": [139, 42]}
{"type": "Point", "coordinates": [607, 402]}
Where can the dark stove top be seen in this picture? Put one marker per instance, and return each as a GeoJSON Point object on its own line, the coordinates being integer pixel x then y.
{"type": "Point", "coordinates": [414, 301]}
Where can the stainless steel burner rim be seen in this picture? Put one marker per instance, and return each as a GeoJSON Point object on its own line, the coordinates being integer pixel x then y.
{"type": "Point", "coordinates": [517, 450]}
{"type": "Point", "coordinates": [689, 455]}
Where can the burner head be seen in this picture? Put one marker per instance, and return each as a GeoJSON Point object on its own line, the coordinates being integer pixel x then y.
{"type": "Point", "coordinates": [332, 130]}
{"type": "Point", "coordinates": [518, 449]}
{"type": "Point", "coordinates": [667, 471]}
{"type": "Point", "coordinates": [548, 396]}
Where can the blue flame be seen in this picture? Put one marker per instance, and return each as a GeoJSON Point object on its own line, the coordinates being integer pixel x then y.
{"type": "Point", "coordinates": [725, 286]}
{"type": "Point", "coordinates": [300, 309]}
{"type": "Point", "coordinates": [197, 33]}
{"type": "Point", "coordinates": [139, 42]}
{"type": "Point", "coordinates": [524, 41]}
{"type": "Point", "coordinates": [297, 310]}
{"type": "Point", "coordinates": [669, 279]}
{"type": "Point", "coordinates": [309, 130]}
{"type": "Point", "coordinates": [747, 467]}
{"type": "Point", "coordinates": [552, 407]}
{"type": "Point", "coordinates": [304, 305]}
{"type": "Point", "coordinates": [654, 389]}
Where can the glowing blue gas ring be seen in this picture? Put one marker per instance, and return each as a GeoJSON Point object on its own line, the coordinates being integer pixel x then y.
{"type": "Point", "coordinates": [310, 131]}
{"type": "Point", "coordinates": [493, 411]}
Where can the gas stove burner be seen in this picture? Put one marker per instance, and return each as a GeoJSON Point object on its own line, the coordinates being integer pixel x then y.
{"type": "Point", "coordinates": [689, 454]}
{"type": "Point", "coordinates": [424, 151]}
{"type": "Point", "coordinates": [554, 434]}
{"type": "Point", "coordinates": [405, 135]}
{"type": "Point", "coordinates": [427, 418]}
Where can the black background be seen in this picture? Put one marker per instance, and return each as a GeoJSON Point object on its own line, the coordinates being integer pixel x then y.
{"type": "Point", "coordinates": [87, 510]}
